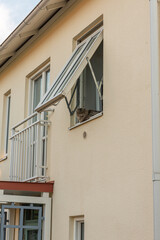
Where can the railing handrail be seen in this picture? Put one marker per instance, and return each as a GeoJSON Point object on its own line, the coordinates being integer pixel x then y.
{"type": "Point", "coordinates": [24, 129]}
{"type": "Point", "coordinates": [25, 120]}
{"type": "Point", "coordinates": [31, 125]}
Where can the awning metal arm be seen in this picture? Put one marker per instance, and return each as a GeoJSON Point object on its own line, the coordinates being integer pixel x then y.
{"type": "Point", "coordinates": [70, 101]}
{"type": "Point", "coordinates": [95, 80]}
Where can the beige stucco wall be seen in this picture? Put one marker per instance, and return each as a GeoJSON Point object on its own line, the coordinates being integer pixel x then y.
{"type": "Point", "coordinates": [106, 177]}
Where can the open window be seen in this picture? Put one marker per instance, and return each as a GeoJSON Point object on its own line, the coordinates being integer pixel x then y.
{"type": "Point", "coordinates": [83, 73]}
{"type": "Point", "coordinates": [88, 91]}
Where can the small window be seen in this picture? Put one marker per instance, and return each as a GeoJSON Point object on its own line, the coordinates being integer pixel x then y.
{"type": "Point", "coordinates": [79, 229]}
{"type": "Point", "coordinates": [8, 106]}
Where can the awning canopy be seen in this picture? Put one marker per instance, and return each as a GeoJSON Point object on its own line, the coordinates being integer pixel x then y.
{"type": "Point", "coordinates": [72, 70]}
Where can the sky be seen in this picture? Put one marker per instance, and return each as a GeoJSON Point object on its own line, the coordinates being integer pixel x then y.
{"type": "Point", "coordinates": [12, 12]}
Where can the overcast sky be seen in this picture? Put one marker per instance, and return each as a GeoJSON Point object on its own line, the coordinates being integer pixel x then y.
{"type": "Point", "coordinates": [12, 12]}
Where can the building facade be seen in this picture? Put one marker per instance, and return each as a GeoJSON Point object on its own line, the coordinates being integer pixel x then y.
{"type": "Point", "coordinates": [77, 158]}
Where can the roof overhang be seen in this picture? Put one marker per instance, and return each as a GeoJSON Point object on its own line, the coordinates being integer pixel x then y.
{"type": "Point", "coordinates": [33, 26]}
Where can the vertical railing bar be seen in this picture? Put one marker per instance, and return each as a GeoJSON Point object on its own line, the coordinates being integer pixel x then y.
{"type": "Point", "coordinates": [31, 156]}
{"type": "Point", "coordinates": [20, 156]}
{"type": "Point", "coordinates": [40, 146]}
{"type": "Point", "coordinates": [16, 165]}
{"type": "Point", "coordinates": [22, 141]}
{"type": "Point", "coordinates": [27, 156]}
{"type": "Point", "coordinates": [38, 150]}
{"type": "Point", "coordinates": [20, 160]}
{"type": "Point", "coordinates": [32, 149]}
{"type": "Point", "coordinates": [19, 149]}
{"type": "Point", "coordinates": [36, 146]}
{"type": "Point", "coordinates": [24, 155]}
{"type": "Point", "coordinates": [29, 138]}
{"type": "Point", "coordinates": [45, 153]}
{"type": "Point", "coordinates": [12, 155]}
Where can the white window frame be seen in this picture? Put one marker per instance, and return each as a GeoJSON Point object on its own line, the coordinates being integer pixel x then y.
{"type": "Point", "coordinates": [78, 227]}
{"type": "Point", "coordinates": [80, 41]}
{"type": "Point", "coordinates": [72, 70]}
{"type": "Point", "coordinates": [7, 120]}
{"type": "Point", "coordinates": [41, 72]}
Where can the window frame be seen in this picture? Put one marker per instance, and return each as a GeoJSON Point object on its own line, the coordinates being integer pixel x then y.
{"type": "Point", "coordinates": [78, 228]}
{"type": "Point", "coordinates": [40, 73]}
{"type": "Point", "coordinates": [76, 42]}
{"type": "Point", "coordinates": [7, 122]}
{"type": "Point", "coordinates": [70, 72]}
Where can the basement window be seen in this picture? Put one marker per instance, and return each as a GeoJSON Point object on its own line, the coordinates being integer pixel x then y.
{"type": "Point", "coordinates": [81, 80]}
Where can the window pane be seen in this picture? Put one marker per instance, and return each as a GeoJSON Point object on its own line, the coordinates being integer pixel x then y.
{"type": "Point", "coordinates": [46, 89]}
{"type": "Point", "coordinates": [37, 92]}
{"type": "Point", "coordinates": [82, 231]}
{"type": "Point", "coordinates": [7, 121]}
{"type": "Point", "coordinates": [31, 217]}
{"type": "Point", "coordinates": [30, 234]}
{"type": "Point", "coordinates": [91, 99]}
{"type": "Point", "coordinates": [47, 81]}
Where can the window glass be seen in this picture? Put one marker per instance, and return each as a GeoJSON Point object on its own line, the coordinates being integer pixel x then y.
{"type": "Point", "coordinates": [30, 234]}
{"type": "Point", "coordinates": [37, 92]}
{"type": "Point", "coordinates": [47, 81]}
{"type": "Point", "coordinates": [31, 217]}
{"type": "Point", "coordinates": [39, 87]}
{"type": "Point", "coordinates": [7, 122]}
{"type": "Point", "coordinates": [79, 229]}
{"type": "Point", "coordinates": [88, 99]}
{"type": "Point", "coordinates": [82, 231]}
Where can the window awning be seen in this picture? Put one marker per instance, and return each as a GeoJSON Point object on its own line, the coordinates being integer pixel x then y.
{"type": "Point", "coordinates": [72, 70]}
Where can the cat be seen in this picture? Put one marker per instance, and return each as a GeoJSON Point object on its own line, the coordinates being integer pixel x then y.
{"type": "Point", "coordinates": [84, 114]}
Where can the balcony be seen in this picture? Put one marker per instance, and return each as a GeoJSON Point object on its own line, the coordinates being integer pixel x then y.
{"type": "Point", "coordinates": [29, 149]}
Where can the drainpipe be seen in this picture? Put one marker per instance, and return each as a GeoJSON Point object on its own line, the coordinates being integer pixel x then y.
{"type": "Point", "coordinates": [155, 114]}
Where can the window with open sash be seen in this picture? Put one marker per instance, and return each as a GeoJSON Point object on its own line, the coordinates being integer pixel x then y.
{"type": "Point", "coordinates": [87, 93]}
{"type": "Point", "coordinates": [82, 78]}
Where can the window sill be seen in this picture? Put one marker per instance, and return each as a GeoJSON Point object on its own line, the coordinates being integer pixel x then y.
{"type": "Point", "coordinates": [92, 118]}
{"type": "Point", "coordinates": [3, 158]}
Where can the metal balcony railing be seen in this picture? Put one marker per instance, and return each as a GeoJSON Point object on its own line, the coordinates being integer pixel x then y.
{"type": "Point", "coordinates": [29, 149]}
